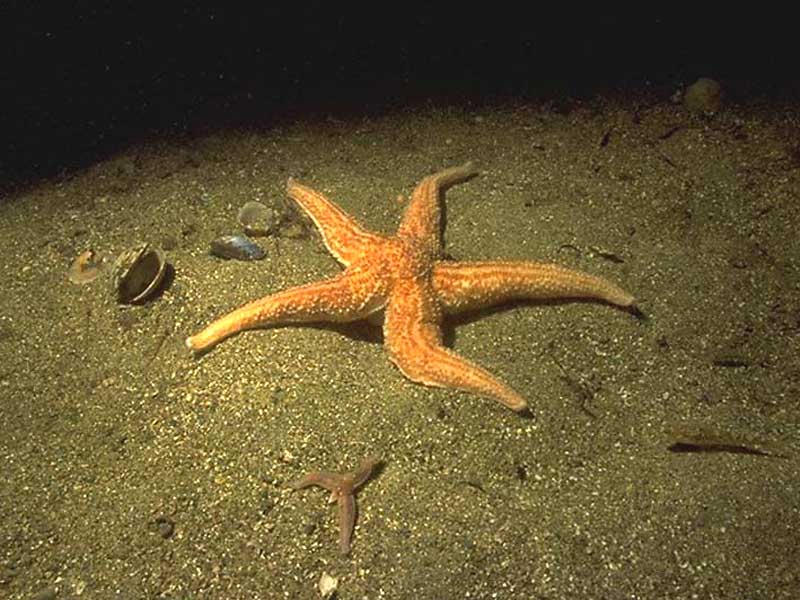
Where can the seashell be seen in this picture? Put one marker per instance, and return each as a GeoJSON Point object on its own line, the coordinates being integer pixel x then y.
{"type": "Point", "coordinates": [237, 247]}
{"type": "Point", "coordinates": [85, 268]}
{"type": "Point", "coordinates": [137, 273]}
{"type": "Point", "coordinates": [258, 219]}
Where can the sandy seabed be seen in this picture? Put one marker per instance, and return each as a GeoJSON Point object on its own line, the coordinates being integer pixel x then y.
{"type": "Point", "coordinates": [134, 470]}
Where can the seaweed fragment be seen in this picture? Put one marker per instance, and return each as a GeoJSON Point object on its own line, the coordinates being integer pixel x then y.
{"type": "Point", "coordinates": [703, 439]}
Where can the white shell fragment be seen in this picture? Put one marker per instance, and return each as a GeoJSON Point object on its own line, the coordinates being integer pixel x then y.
{"type": "Point", "coordinates": [328, 584]}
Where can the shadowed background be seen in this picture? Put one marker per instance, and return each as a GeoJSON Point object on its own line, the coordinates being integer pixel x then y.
{"type": "Point", "coordinates": [86, 77]}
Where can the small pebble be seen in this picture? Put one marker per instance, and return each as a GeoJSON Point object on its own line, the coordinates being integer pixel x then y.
{"type": "Point", "coordinates": [166, 527]}
{"type": "Point", "coordinates": [704, 96]}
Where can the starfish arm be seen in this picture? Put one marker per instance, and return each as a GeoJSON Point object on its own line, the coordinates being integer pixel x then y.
{"type": "Point", "coordinates": [364, 471]}
{"type": "Point", "coordinates": [413, 339]}
{"type": "Point", "coordinates": [463, 286]}
{"type": "Point", "coordinates": [324, 479]}
{"type": "Point", "coordinates": [351, 295]}
{"type": "Point", "coordinates": [347, 520]}
{"type": "Point", "coordinates": [421, 219]}
{"type": "Point", "coordinates": [341, 234]}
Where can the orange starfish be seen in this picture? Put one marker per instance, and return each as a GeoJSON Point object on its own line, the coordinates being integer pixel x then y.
{"type": "Point", "coordinates": [404, 275]}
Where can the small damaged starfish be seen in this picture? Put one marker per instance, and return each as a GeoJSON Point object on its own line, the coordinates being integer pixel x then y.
{"type": "Point", "coordinates": [343, 489]}
{"type": "Point", "coordinates": [404, 276]}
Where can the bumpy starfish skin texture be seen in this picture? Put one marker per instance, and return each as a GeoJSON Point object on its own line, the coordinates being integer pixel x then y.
{"type": "Point", "coordinates": [403, 275]}
{"type": "Point", "coordinates": [343, 491]}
